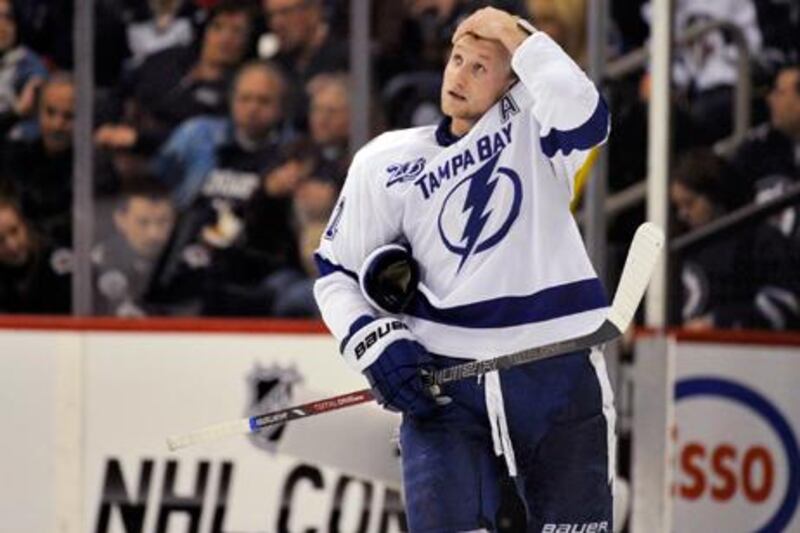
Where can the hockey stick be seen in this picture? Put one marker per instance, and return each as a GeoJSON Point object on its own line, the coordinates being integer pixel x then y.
{"type": "Point", "coordinates": [642, 256]}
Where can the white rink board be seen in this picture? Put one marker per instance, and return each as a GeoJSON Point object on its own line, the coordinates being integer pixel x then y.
{"type": "Point", "coordinates": [27, 430]}
{"type": "Point", "coordinates": [333, 470]}
{"type": "Point", "coordinates": [737, 423]}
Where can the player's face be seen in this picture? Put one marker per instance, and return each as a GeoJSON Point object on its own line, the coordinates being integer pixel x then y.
{"type": "Point", "coordinates": [477, 74]}
{"type": "Point", "coordinates": [145, 224]}
{"type": "Point", "coordinates": [693, 209]}
{"type": "Point", "coordinates": [784, 102]}
{"type": "Point", "coordinates": [15, 242]}
{"type": "Point", "coordinates": [256, 105]}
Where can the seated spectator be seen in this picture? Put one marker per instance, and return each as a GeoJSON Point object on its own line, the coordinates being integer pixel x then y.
{"type": "Point", "coordinates": [744, 278]}
{"type": "Point", "coordinates": [706, 71]}
{"type": "Point", "coordinates": [292, 288]}
{"type": "Point", "coordinates": [216, 168]}
{"type": "Point", "coordinates": [46, 26]}
{"type": "Point", "coordinates": [182, 82]}
{"type": "Point", "coordinates": [159, 25]}
{"type": "Point", "coordinates": [38, 161]}
{"type": "Point", "coordinates": [124, 262]}
{"type": "Point", "coordinates": [306, 47]}
{"type": "Point", "coordinates": [329, 121]}
{"type": "Point", "coordinates": [415, 35]}
{"type": "Point", "coordinates": [199, 153]}
{"type": "Point", "coordinates": [769, 159]}
{"type": "Point", "coordinates": [21, 72]}
{"type": "Point", "coordinates": [773, 150]}
{"type": "Point", "coordinates": [34, 276]}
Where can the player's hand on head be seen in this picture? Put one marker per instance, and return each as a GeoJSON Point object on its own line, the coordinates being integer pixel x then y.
{"type": "Point", "coordinates": [486, 23]}
{"type": "Point", "coordinates": [493, 24]}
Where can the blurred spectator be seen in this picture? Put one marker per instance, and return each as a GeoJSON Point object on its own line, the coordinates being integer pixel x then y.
{"type": "Point", "coordinates": [421, 39]}
{"type": "Point", "coordinates": [306, 47]}
{"type": "Point", "coordinates": [565, 22]}
{"type": "Point", "coordinates": [124, 262]}
{"type": "Point", "coordinates": [181, 82]}
{"type": "Point", "coordinates": [706, 70]}
{"type": "Point", "coordinates": [773, 150]}
{"type": "Point", "coordinates": [156, 26]}
{"type": "Point", "coordinates": [741, 279]}
{"type": "Point", "coordinates": [779, 21]}
{"type": "Point", "coordinates": [216, 168]}
{"type": "Point", "coordinates": [34, 277]}
{"type": "Point", "coordinates": [38, 160]}
{"type": "Point", "coordinates": [247, 140]}
{"type": "Point", "coordinates": [329, 121]}
{"type": "Point", "coordinates": [21, 72]}
{"type": "Point", "coordinates": [47, 26]}
{"type": "Point", "coordinates": [294, 189]}
{"type": "Point", "coordinates": [292, 288]}
{"type": "Point", "coordinates": [769, 159]}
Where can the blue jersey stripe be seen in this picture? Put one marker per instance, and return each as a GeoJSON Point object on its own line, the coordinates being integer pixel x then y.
{"type": "Point", "coordinates": [550, 303]}
{"type": "Point", "coordinates": [589, 134]}
{"type": "Point", "coordinates": [326, 267]}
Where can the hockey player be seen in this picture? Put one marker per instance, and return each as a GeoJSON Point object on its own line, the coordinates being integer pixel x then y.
{"type": "Point", "coordinates": [478, 210]}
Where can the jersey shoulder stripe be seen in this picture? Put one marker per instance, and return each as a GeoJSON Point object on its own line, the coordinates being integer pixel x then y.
{"type": "Point", "coordinates": [589, 134]}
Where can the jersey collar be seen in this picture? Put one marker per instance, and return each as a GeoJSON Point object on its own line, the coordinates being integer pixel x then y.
{"type": "Point", "coordinates": [444, 136]}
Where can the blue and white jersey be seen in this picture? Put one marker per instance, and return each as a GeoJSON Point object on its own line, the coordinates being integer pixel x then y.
{"type": "Point", "coordinates": [502, 264]}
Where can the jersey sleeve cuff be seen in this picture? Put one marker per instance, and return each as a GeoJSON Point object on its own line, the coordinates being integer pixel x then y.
{"type": "Point", "coordinates": [363, 347]}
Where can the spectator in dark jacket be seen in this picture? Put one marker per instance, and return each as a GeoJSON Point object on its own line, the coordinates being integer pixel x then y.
{"type": "Point", "coordinates": [742, 279]}
{"type": "Point", "coordinates": [216, 168]}
{"type": "Point", "coordinates": [34, 276]}
{"type": "Point", "coordinates": [306, 47]}
{"type": "Point", "coordinates": [38, 161]}
{"type": "Point", "coordinates": [21, 72]}
{"type": "Point", "coordinates": [182, 82]}
{"type": "Point", "coordinates": [773, 150]}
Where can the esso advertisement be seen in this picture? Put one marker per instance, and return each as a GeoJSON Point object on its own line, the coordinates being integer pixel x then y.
{"type": "Point", "coordinates": [737, 462]}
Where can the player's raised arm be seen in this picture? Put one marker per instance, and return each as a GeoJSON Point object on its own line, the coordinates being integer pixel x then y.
{"type": "Point", "coordinates": [572, 116]}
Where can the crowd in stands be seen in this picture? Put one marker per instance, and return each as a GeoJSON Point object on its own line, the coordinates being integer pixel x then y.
{"type": "Point", "coordinates": [221, 136]}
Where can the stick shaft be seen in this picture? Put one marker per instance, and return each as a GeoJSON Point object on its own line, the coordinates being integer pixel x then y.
{"type": "Point", "coordinates": [312, 408]}
{"type": "Point", "coordinates": [639, 265]}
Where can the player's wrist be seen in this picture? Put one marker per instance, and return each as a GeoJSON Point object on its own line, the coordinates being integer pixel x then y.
{"type": "Point", "coordinates": [519, 31]}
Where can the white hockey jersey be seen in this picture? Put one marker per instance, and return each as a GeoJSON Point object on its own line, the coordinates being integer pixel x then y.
{"type": "Point", "coordinates": [502, 264]}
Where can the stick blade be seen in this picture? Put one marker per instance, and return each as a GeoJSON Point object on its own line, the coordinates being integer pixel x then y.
{"type": "Point", "coordinates": [639, 266]}
{"type": "Point", "coordinates": [217, 431]}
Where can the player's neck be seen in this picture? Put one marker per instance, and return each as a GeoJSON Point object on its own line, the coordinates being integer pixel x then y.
{"type": "Point", "coordinates": [460, 126]}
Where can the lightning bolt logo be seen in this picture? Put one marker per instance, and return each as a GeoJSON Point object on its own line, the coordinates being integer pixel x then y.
{"type": "Point", "coordinates": [478, 207]}
{"type": "Point", "coordinates": [480, 191]}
